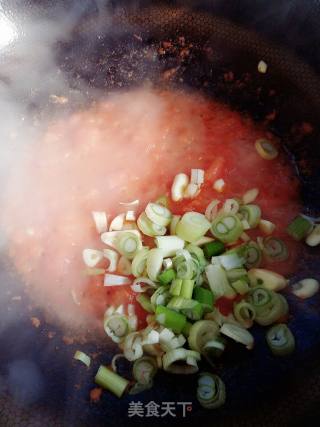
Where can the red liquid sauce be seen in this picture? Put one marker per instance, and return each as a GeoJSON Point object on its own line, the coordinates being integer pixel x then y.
{"type": "Point", "coordinates": [129, 147]}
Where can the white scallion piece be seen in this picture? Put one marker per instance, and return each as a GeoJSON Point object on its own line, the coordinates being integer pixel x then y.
{"type": "Point", "coordinates": [116, 280]}
{"type": "Point", "coordinates": [197, 176]}
{"type": "Point", "coordinates": [92, 257]}
{"type": "Point", "coordinates": [109, 238]}
{"type": "Point", "coordinates": [117, 222]}
{"type": "Point", "coordinates": [153, 337]}
{"type": "Point", "coordinates": [174, 223]}
{"type": "Point", "coordinates": [250, 196]}
{"type": "Point", "coordinates": [203, 240]}
{"type": "Point", "coordinates": [169, 244]}
{"type": "Point", "coordinates": [262, 67]}
{"type": "Point", "coordinates": [142, 284]}
{"type": "Point", "coordinates": [314, 237]}
{"type": "Point", "coordinates": [238, 334]}
{"type": "Point", "coordinates": [267, 227]}
{"type": "Point", "coordinates": [130, 216]}
{"type": "Point", "coordinates": [132, 205]}
{"type": "Point", "coordinates": [158, 214]}
{"type": "Point", "coordinates": [113, 257]}
{"type": "Point", "coordinates": [245, 237]}
{"type": "Point", "coordinates": [191, 191]}
{"type": "Point", "coordinates": [231, 206]}
{"type": "Point", "coordinates": [212, 209]}
{"type": "Point", "coordinates": [154, 263]}
{"type": "Point", "coordinates": [305, 288]}
{"type": "Point", "coordinates": [82, 357]}
{"type": "Point", "coordinates": [124, 266]}
{"type": "Point", "coordinates": [167, 263]}
{"type": "Point", "coordinates": [179, 186]}
{"type": "Point", "coordinates": [219, 185]}
{"type": "Point", "coordinates": [101, 221]}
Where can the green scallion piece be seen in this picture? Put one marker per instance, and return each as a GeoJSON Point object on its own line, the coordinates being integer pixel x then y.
{"type": "Point", "coordinates": [211, 392]}
{"type": "Point", "coordinates": [275, 249]}
{"type": "Point", "coordinates": [251, 213]}
{"type": "Point", "coordinates": [280, 340]}
{"type": "Point", "coordinates": [240, 286]}
{"type": "Point", "coordinates": [160, 296]}
{"type": "Point", "coordinates": [204, 297]}
{"type": "Point", "coordinates": [187, 288]}
{"type": "Point", "coordinates": [227, 228]}
{"type": "Point", "coordinates": [190, 308]}
{"type": "Point", "coordinates": [236, 274]}
{"type": "Point", "coordinates": [252, 255]}
{"type": "Point", "coordinates": [167, 276]}
{"type": "Point", "coordinates": [170, 319]}
{"type": "Point", "coordinates": [213, 248]}
{"type": "Point", "coordinates": [145, 303]}
{"type": "Point", "coordinates": [300, 227]}
{"type": "Point", "coordinates": [186, 330]}
{"type": "Point", "coordinates": [175, 287]}
{"type": "Point", "coordinates": [111, 381]}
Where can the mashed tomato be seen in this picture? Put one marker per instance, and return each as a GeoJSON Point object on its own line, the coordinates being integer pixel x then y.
{"type": "Point", "coordinates": [129, 147]}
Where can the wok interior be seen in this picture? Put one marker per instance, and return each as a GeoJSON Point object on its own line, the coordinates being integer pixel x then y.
{"type": "Point", "coordinates": [218, 48]}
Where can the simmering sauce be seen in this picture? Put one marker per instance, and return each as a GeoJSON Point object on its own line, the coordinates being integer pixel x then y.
{"type": "Point", "coordinates": [129, 147]}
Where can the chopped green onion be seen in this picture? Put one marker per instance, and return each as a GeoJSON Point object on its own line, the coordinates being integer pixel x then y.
{"type": "Point", "coordinates": [205, 297]}
{"type": "Point", "coordinates": [175, 287]}
{"type": "Point", "coordinates": [132, 346]}
{"type": "Point", "coordinates": [167, 263]}
{"type": "Point", "coordinates": [213, 249]}
{"type": "Point", "coordinates": [240, 286]}
{"type": "Point", "coordinates": [128, 244]}
{"type": "Point", "coordinates": [270, 308]}
{"type": "Point", "coordinates": [213, 349]}
{"type": "Point", "coordinates": [111, 238]}
{"type": "Point", "coordinates": [211, 391]}
{"type": "Point", "coordinates": [212, 210]}
{"type": "Point", "coordinates": [275, 249]}
{"type": "Point", "coordinates": [112, 257]}
{"type": "Point", "coordinates": [266, 149]}
{"type": "Point", "coordinates": [185, 265]}
{"type": "Point", "coordinates": [170, 319]}
{"type": "Point", "coordinates": [201, 332]}
{"type": "Point", "coordinates": [158, 214]}
{"type": "Point", "coordinates": [186, 329]}
{"type": "Point", "coordinates": [169, 244]}
{"type": "Point", "coordinates": [280, 340]}
{"type": "Point", "coordinates": [116, 327]}
{"type": "Point", "coordinates": [229, 260]}
{"type": "Point", "coordinates": [101, 221]}
{"type": "Point", "coordinates": [111, 381]}
{"type": "Point", "coordinates": [139, 262]}
{"type": "Point", "coordinates": [163, 200]}
{"type": "Point", "coordinates": [244, 313]}
{"type": "Point", "coordinates": [145, 303]}
{"type": "Point", "coordinates": [115, 280]}
{"type": "Point", "coordinates": [172, 361]}
{"type": "Point", "coordinates": [227, 228]}
{"type": "Point", "coordinates": [161, 296]}
{"type": "Point", "coordinates": [124, 266]}
{"type": "Point", "coordinates": [91, 257]}
{"type": "Point", "coordinates": [167, 276]}
{"type": "Point", "coordinates": [218, 282]}
{"type": "Point", "coordinates": [179, 186]}
{"type": "Point", "coordinates": [266, 278]}
{"type": "Point", "coordinates": [148, 227]}
{"type": "Point", "coordinates": [82, 357]}
{"type": "Point", "coordinates": [231, 206]}
{"type": "Point", "coordinates": [266, 226]}
{"type": "Point", "coordinates": [314, 237]}
{"type": "Point", "coordinates": [144, 369]}
{"type": "Point", "coordinates": [190, 308]}
{"type": "Point", "coordinates": [174, 223]}
{"type": "Point", "coordinates": [236, 274]}
{"type": "Point", "coordinates": [260, 298]}
{"type": "Point", "coordinates": [187, 288]}
{"type": "Point", "coordinates": [251, 213]}
{"type": "Point", "coordinates": [192, 226]}
{"type": "Point", "coordinates": [305, 288]}
{"type": "Point", "coordinates": [154, 263]}
{"type": "Point", "coordinates": [117, 222]}
{"type": "Point", "coordinates": [238, 334]}
{"type": "Point", "coordinates": [252, 255]}
{"type": "Point", "coordinates": [197, 253]}
{"type": "Point", "coordinates": [300, 227]}
{"type": "Point", "coordinates": [250, 196]}
{"type": "Point", "coordinates": [142, 284]}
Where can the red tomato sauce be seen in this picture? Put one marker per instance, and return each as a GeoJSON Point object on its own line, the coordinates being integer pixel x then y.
{"type": "Point", "coordinates": [128, 147]}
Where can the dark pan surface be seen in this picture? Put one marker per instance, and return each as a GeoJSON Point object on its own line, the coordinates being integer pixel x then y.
{"type": "Point", "coordinates": [261, 390]}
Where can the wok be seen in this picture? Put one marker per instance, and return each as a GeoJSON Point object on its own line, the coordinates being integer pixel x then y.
{"type": "Point", "coordinates": [223, 36]}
